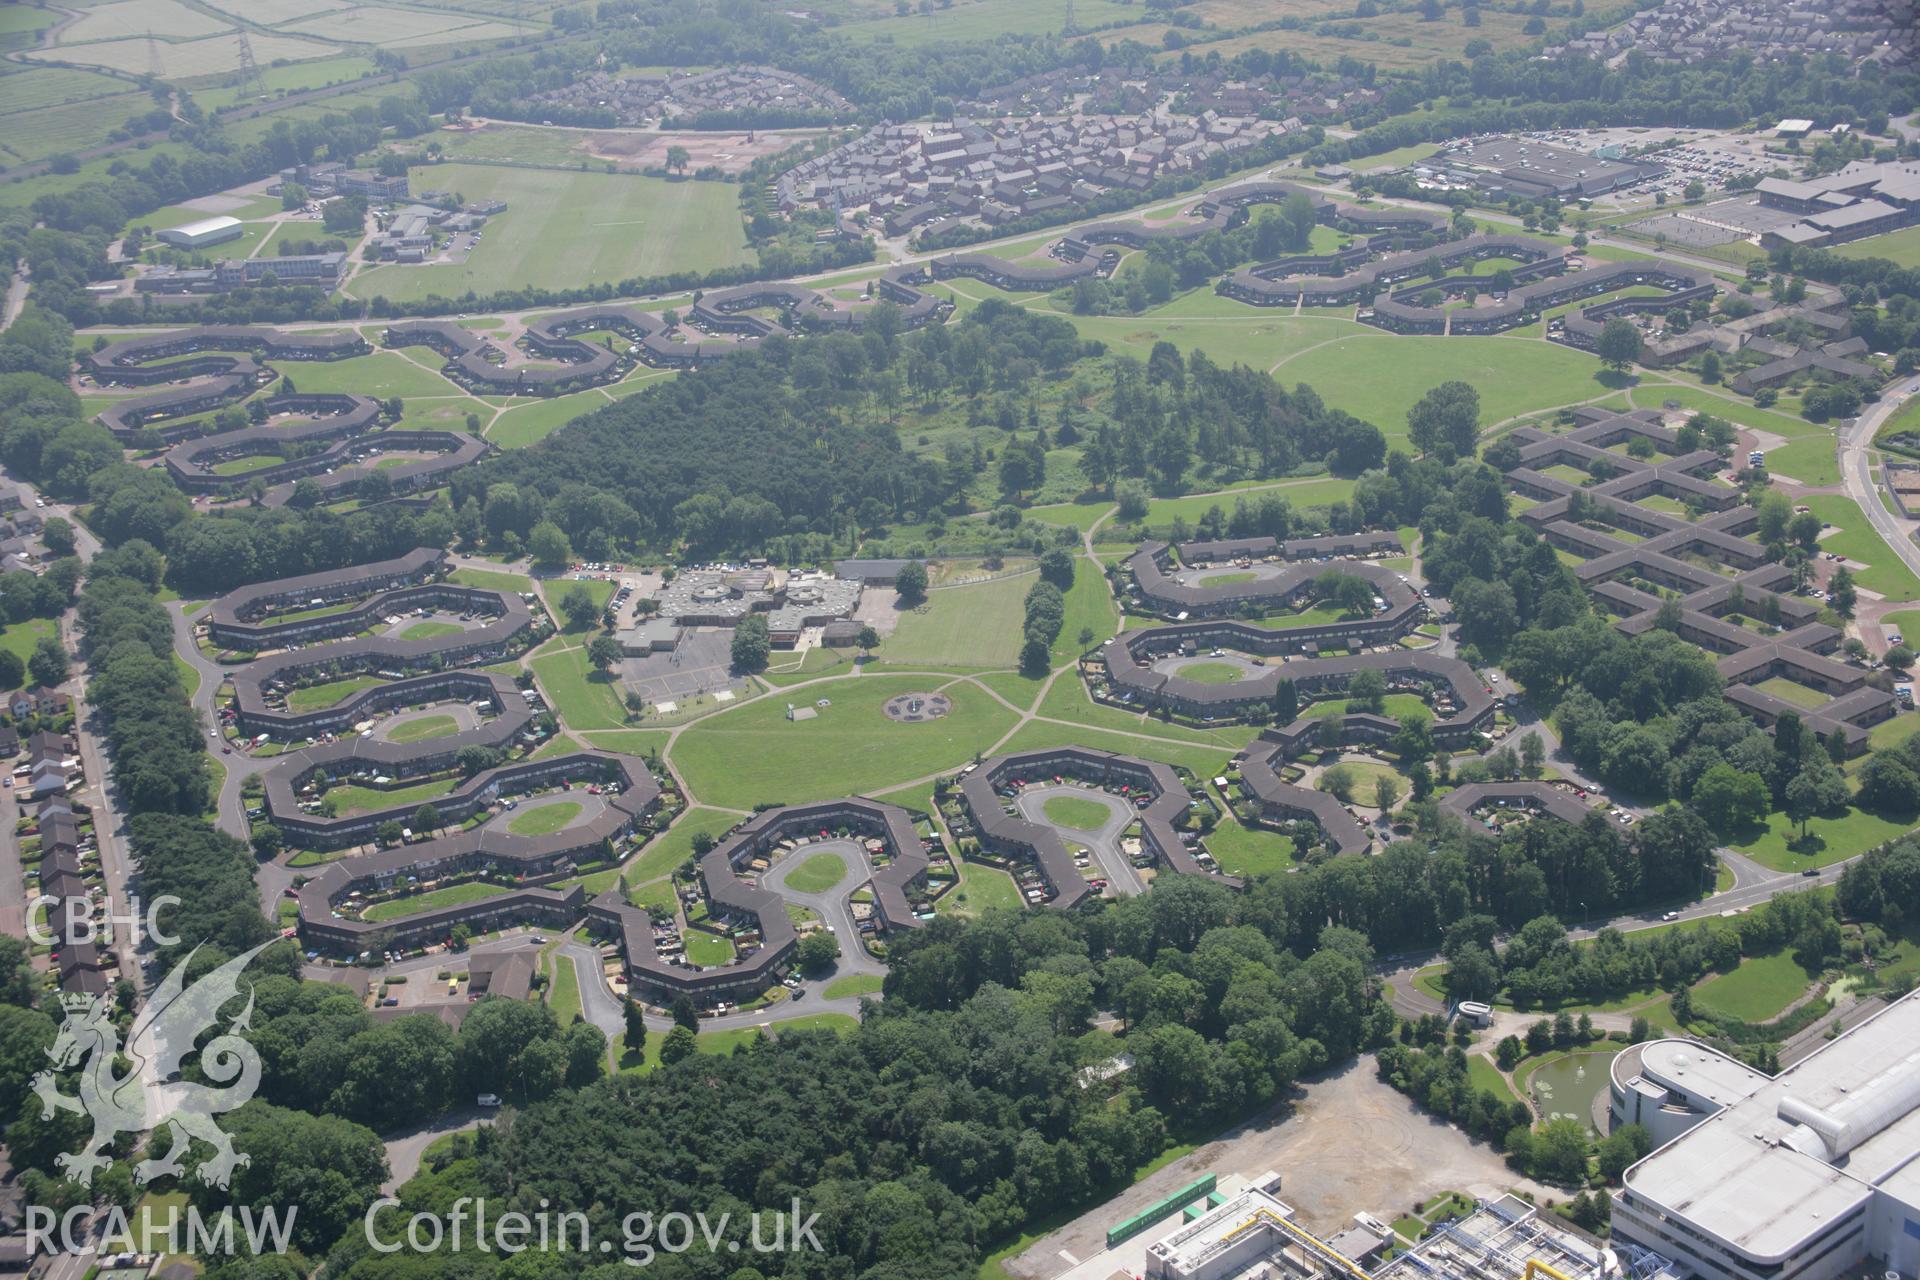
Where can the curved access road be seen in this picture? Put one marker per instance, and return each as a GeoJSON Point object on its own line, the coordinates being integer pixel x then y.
{"type": "Point", "coordinates": [1856, 460]}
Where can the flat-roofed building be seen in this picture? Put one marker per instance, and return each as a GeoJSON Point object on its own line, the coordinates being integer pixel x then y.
{"type": "Point", "coordinates": [1803, 1176]}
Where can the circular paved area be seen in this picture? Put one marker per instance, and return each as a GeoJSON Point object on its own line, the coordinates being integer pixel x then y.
{"type": "Point", "coordinates": [1261, 572]}
{"type": "Point", "coordinates": [590, 806]}
{"type": "Point", "coordinates": [1174, 666]}
{"type": "Point", "coordinates": [1118, 869]}
{"type": "Point", "coordinates": [833, 906]}
{"type": "Point", "coordinates": [464, 717]}
{"type": "Point", "coordinates": [916, 708]}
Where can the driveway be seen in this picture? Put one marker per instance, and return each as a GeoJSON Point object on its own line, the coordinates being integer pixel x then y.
{"type": "Point", "coordinates": [1104, 840]}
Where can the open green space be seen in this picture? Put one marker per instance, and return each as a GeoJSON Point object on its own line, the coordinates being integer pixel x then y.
{"type": "Point", "coordinates": [454, 895]}
{"type": "Point", "coordinates": [428, 630]}
{"type": "Point", "coordinates": [1482, 1074]}
{"type": "Point", "coordinates": [1902, 248]}
{"type": "Point", "coordinates": [585, 698]}
{"type": "Point", "coordinates": [1778, 845]}
{"type": "Point", "coordinates": [854, 984]}
{"type": "Point", "coordinates": [492, 580]}
{"type": "Point", "coordinates": [526, 424]}
{"type": "Point", "coordinates": [725, 1042]}
{"type": "Point", "coordinates": [422, 729]}
{"type": "Point", "coordinates": [357, 799]}
{"type": "Point", "coordinates": [383, 374]}
{"type": "Point", "coordinates": [1212, 673]}
{"type": "Point", "coordinates": [1077, 812]}
{"type": "Point", "coordinates": [315, 696]}
{"type": "Point", "coordinates": [981, 888]}
{"type": "Point", "coordinates": [1248, 851]}
{"type": "Point", "coordinates": [706, 949]}
{"type": "Point", "coordinates": [563, 993]}
{"type": "Point", "coordinates": [977, 625]}
{"type": "Point", "coordinates": [545, 819]}
{"type": "Point", "coordinates": [1758, 988]}
{"type": "Point", "coordinates": [19, 638]}
{"type": "Point", "coordinates": [754, 754]}
{"type": "Point", "coordinates": [1379, 377]}
{"type": "Point", "coordinates": [1393, 706]}
{"type": "Point", "coordinates": [1798, 694]}
{"type": "Point", "coordinates": [1855, 539]}
{"type": "Point", "coordinates": [573, 228]}
{"type": "Point", "coordinates": [819, 873]}
{"type": "Point", "coordinates": [1199, 760]}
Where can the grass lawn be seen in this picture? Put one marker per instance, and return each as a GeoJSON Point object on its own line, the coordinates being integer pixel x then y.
{"type": "Point", "coordinates": [315, 696]}
{"type": "Point", "coordinates": [1798, 694]}
{"type": "Point", "coordinates": [451, 896]}
{"type": "Point", "coordinates": [1090, 610]}
{"type": "Point", "coordinates": [428, 630]}
{"type": "Point", "coordinates": [1856, 540]}
{"type": "Point", "coordinates": [818, 873]}
{"type": "Point", "coordinates": [1068, 700]}
{"type": "Point", "coordinates": [563, 993]}
{"type": "Point", "coordinates": [1077, 813]}
{"type": "Point", "coordinates": [151, 1219]}
{"type": "Point", "coordinates": [531, 423]}
{"type": "Point", "coordinates": [1901, 248]}
{"type": "Point", "coordinates": [706, 949]}
{"type": "Point", "coordinates": [19, 638]}
{"type": "Point", "coordinates": [491, 579]}
{"type": "Point", "coordinates": [981, 888]}
{"type": "Point", "coordinates": [1228, 579]}
{"type": "Point", "coordinates": [585, 698]}
{"type": "Point", "coordinates": [1393, 707]}
{"type": "Point", "coordinates": [423, 728]}
{"type": "Point", "coordinates": [1379, 377]}
{"type": "Point", "coordinates": [1482, 1074]}
{"type": "Point", "coordinates": [1202, 761]}
{"type": "Point", "coordinates": [660, 855]}
{"type": "Point", "coordinates": [1758, 989]}
{"type": "Point", "coordinates": [564, 229]}
{"type": "Point", "coordinates": [543, 820]}
{"type": "Point", "coordinates": [753, 753]}
{"type": "Point", "coordinates": [855, 984]}
{"type": "Point", "coordinates": [972, 626]}
{"type": "Point", "coordinates": [1248, 851]}
{"type": "Point", "coordinates": [1829, 840]}
{"type": "Point", "coordinates": [718, 1042]}
{"type": "Point", "coordinates": [382, 374]}
{"type": "Point", "coordinates": [1213, 673]}
{"type": "Point", "coordinates": [357, 799]}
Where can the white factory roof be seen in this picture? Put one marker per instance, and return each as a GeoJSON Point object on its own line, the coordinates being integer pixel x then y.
{"type": "Point", "coordinates": [1699, 1071]}
{"type": "Point", "coordinates": [205, 226]}
{"type": "Point", "coordinates": [1762, 1175]}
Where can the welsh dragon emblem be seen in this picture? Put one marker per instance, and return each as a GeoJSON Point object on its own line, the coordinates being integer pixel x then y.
{"type": "Point", "coordinates": [148, 1096]}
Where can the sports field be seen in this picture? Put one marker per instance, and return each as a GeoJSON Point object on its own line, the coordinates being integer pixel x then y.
{"type": "Point", "coordinates": [971, 626]}
{"type": "Point", "coordinates": [754, 754]}
{"type": "Point", "coordinates": [1902, 248]}
{"type": "Point", "coordinates": [565, 229]}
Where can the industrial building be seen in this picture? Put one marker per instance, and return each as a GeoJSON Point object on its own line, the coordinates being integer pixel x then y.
{"type": "Point", "coordinates": [1801, 1176]}
{"type": "Point", "coordinates": [201, 234]}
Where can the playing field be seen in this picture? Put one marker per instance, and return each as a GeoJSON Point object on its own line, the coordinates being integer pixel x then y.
{"type": "Point", "coordinates": [754, 754]}
{"type": "Point", "coordinates": [971, 626]}
{"type": "Point", "coordinates": [568, 229]}
{"type": "Point", "coordinates": [1902, 248]}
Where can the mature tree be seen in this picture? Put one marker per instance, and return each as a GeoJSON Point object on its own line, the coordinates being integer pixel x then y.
{"type": "Point", "coordinates": [48, 663]}
{"type": "Point", "coordinates": [547, 544]}
{"type": "Point", "coordinates": [426, 818]}
{"type": "Point", "coordinates": [679, 1045]}
{"type": "Point", "coordinates": [331, 1168]}
{"type": "Point", "coordinates": [1840, 592]}
{"type": "Point", "coordinates": [1889, 784]}
{"type": "Point", "coordinates": [1385, 792]}
{"type": "Point", "coordinates": [634, 1038]}
{"type": "Point", "coordinates": [1338, 781]}
{"type": "Point", "coordinates": [1367, 691]}
{"type": "Point", "coordinates": [817, 951]}
{"type": "Point", "coordinates": [603, 651]}
{"type": "Point", "coordinates": [1286, 701]}
{"type": "Point", "coordinates": [911, 583]}
{"type": "Point", "coordinates": [751, 644]}
{"type": "Point", "coordinates": [684, 1014]}
{"type": "Point", "coordinates": [1618, 345]}
{"type": "Point", "coordinates": [1056, 566]}
{"type": "Point", "coordinates": [1818, 788]}
{"type": "Point", "coordinates": [58, 535]}
{"type": "Point", "coordinates": [867, 640]}
{"type": "Point", "coordinates": [1533, 752]}
{"type": "Point", "coordinates": [1446, 420]}
{"type": "Point", "coordinates": [577, 606]}
{"type": "Point", "coordinates": [1900, 657]}
{"type": "Point", "coordinates": [1730, 799]}
{"type": "Point", "coordinates": [678, 158]}
{"type": "Point", "coordinates": [13, 672]}
{"type": "Point", "coordinates": [1710, 371]}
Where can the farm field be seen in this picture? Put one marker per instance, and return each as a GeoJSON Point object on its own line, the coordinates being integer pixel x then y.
{"type": "Point", "coordinates": [754, 754]}
{"type": "Point", "coordinates": [564, 230]}
{"type": "Point", "coordinates": [185, 59]}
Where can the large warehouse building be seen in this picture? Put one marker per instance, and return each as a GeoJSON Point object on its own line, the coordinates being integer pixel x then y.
{"type": "Point", "coordinates": [1799, 1177]}
{"type": "Point", "coordinates": [201, 234]}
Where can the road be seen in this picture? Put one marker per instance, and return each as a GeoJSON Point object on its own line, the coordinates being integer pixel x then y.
{"type": "Point", "coordinates": [1856, 460]}
{"type": "Point", "coordinates": [1104, 840]}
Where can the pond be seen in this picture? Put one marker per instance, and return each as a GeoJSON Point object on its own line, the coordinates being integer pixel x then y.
{"type": "Point", "coordinates": [1567, 1086]}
